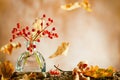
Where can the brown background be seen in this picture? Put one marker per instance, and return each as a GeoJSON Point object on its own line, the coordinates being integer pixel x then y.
{"type": "Point", "coordinates": [94, 37]}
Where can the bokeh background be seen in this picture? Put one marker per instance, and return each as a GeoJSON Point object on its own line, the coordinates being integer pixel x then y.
{"type": "Point", "coordinates": [93, 37]}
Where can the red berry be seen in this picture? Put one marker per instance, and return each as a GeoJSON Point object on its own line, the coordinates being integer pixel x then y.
{"type": "Point", "coordinates": [34, 46]}
{"type": "Point", "coordinates": [25, 35]}
{"type": "Point", "coordinates": [53, 29]}
{"type": "Point", "coordinates": [47, 24]}
{"type": "Point", "coordinates": [28, 48]}
{"type": "Point", "coordinates": [49, 19]}
{"type": "Point", "coordinates": [27, 28]}
{"type": "Point", "coordinates": [38, 31]}
{"type": "Point", "coordinates": [53, 34]}
{"type": "Point", "coordinates": [28, 33]}
{"type": "Point", "coordinates": [41, 24]}
{"type": "Point", "coordinates": [23, 30]}
{"type": "Point", "coordinates": [13, 36]}
{"type": "Point", "coordinates": [11, 40]}
{"type": "Point", "coordinates": [44, 15]}
{"type": "Point", "coordinates": [50, 37]}
{"type": "Point", "coordinates": [43, 33]}
{"type": "Point", "coordinates": [38, 40]}
{"type": "Point", "coordinates": [33, 30]}
{"type": "Point", "coordinates": [56, 35]}
{"type": "Point", "coordinates": [18, 25]}
{"type": "Point", "coordinates": [20, 33]}
{"type": "Point", "coordinates": [12, 31]}
{"type": "Point", "coordinates": [46, 31]}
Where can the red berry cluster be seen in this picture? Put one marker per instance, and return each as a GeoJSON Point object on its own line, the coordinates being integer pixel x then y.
{"type": "Point", "coordinates": [26, 32]}
{"type": "Point", "coordinates": [55, 72]}
{"type": "Point", "coordinates": [18, 32]}
{"type": "Point", "coordinates": [31, 46]}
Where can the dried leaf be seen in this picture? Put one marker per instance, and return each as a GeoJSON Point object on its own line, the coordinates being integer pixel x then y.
{"type": "Point", "coordinates": [38, 24]}
{"type": "Point", "coordinates": [71, 6]}
{"type": "Point", "coordinates": [7, 69]}
{"type": "Point", "coordinates": [61, 50]}
{"type": "Point", "coordinates": [8, 48]}
{"type": "Point", "coordinates": [86, 5]}
{"type": "Point", "coordinates": [97, 72]}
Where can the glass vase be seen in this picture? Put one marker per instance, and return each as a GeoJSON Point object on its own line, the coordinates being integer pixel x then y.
{"type": "Point", "coordinates": [31, 61]}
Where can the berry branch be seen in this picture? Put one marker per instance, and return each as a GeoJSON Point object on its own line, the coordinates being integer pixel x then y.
{"type": "Point", "coordinates": [34, 34]}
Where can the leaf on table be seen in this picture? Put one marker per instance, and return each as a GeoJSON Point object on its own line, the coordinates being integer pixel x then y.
{"type": "Point", "coordinates": [7, 69]}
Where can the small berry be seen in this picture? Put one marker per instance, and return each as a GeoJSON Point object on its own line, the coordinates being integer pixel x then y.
{"type": "Point", "coordinates": [34, 46]}
{"type": "Point", "coordinates": [18, 34]}
{"type": "Point", "coordinates": [48, 33]}
{"type": "Point", "coordinates": [13, 36]}
{"type": "Point", "coordinates": [11, 40]}
{"type": "Point", "coordinates": [41, 24]}
{"type": "Point", "coordinates": [50, 37]}
{"type": "Point", "coordinates": [43, 33]}
{"type": "Point", "coordinates": [38, 40]}
{"type": "Point", "coordinates": [33, 30]}
{"type": "Point", "coordinates": [47, 24]}
{"type": "Point", "coordinates": [44, 15]}
{"type": "Point", "coordinates": [28, 48]}
{"type": "Point", "coordinates": [53, 29]}
{"type": "Point", "coordinates": [28, 33]}
{"type": "Point", "coordinates": [23, 30]}
{"type": "Point", "coordinates": [27, 28]}
{"type": "Point", "coordinates": [38, 31]}
{"type": "Point", "coordinates": [25, 34]}
{"type": "Point", "coordinates": [49, 19]}
{"type": "Point", "coordinates": [18, 25]}
{"type": "Point", "coordinates": [12, 31]}
{"type": "Point", "coordinates": [56, 35]}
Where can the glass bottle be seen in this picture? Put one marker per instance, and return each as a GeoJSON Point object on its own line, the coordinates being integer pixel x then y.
{"type": "Point", "coordinates": [31, 61]}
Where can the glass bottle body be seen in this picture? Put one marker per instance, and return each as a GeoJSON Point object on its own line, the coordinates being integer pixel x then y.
{"type": "Point", "coordinates": [31, 62]}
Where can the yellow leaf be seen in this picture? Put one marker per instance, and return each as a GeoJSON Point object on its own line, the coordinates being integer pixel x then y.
{"type": "Point", "coordinates": [71, 6]}
{"type": "Point", "coordinates": [86, 5]}
{"type": "Point", "coordinates": [7, 69]}
{"type": "Point", "coordinates": [61, 50]}
{"type": "Point", "coordinates": [8, 48]}
{"type": "Point", "coordinates": [37, 25]}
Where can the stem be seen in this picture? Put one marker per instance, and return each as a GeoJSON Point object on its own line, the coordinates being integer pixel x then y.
{"type": "Point", "coordinates": [39, 33]}
{"type": "Point", "coordinates": [58, 68]}
{"type": "Point", "coordinates": [25, 37]}
{"type": "Point", "coordinates": [36, 35]}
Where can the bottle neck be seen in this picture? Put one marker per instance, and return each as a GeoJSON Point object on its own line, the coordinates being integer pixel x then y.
{"type": "Point", "coordinates": [31, 46]}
